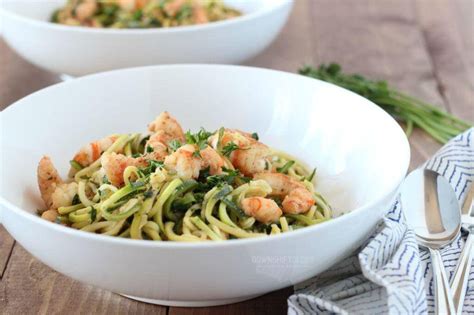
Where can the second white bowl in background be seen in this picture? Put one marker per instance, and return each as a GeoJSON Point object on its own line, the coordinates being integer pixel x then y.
{"type": "Point", "coordinates": [77, 51]}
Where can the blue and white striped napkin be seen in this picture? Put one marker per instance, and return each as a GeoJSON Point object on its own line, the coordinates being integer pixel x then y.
{"type": "Point", "coordinates": [389, 273]}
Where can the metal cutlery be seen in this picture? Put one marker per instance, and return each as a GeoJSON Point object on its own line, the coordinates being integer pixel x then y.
{"type": "Point", "coordinates": [461, 274]}
{"type": "Point", "coordinates": [433, 212]}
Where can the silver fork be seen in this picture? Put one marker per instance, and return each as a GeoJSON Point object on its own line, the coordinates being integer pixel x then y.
{"type": "Point", "coordinates": [461, 274]}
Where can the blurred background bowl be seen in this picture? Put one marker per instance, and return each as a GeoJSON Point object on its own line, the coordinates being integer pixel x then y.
{"type": "Point", "coordinates": [77, 51]}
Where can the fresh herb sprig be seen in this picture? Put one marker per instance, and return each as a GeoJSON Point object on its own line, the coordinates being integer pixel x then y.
{"type": "Point", "coordinates": [199, 139]}
{"type": "Point", "coordinates": [439, 124]}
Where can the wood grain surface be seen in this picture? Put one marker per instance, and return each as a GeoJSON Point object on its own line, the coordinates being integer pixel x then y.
{"type": "Point", "coordinates": [424, 47]}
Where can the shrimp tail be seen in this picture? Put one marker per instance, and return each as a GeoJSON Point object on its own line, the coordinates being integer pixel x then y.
{"type": "Point", "coordinates": [48, 179]}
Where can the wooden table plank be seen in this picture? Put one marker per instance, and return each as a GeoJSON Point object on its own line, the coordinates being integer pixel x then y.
{"type": "Point", "coordinates": [29, 287]}
{"type": "Point", "coordinates": [6, 246]}
{"type": "Point", "coordinates": [381, 41]}
{"type": "Point", "coordinates": [294, 46]}
{"type": "Point", "coordinates": [18, 77]}
{"type": "Point", "coordinates": [443, 38]}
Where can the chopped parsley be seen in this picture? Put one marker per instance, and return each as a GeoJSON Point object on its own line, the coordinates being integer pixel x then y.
{"type": "Point", "coordinates": [229, 177]}
{"type": "Point", "coordinates": [76, 200]}
{"type": "Point", "coordinates": [255, 136]}
{"type": "Point", "coordinates": [234, 208]}
{"type": "Point", "coordinates": [149, 149]}
{"type": "Point", "coordinates": [284, 169]}
{"type": "Point", "coordinates": [226, 189]}
{"type": "Point", "coordinates": [174, 145]}
{"type": "Point", "coordinates": [229, 148]}
{"type": "Point", "coordinates": [310, 178]}
{"type": "Point", "coordinates": [75, 165]}
{"type": "Point", "coordinates": [151, 168]}
{"type": "Point", "coordinates": [199, 139]}
{"type": "Point", "coordinates": [93, 214]}
{"type": "Point", "coordinates": [105, 180]}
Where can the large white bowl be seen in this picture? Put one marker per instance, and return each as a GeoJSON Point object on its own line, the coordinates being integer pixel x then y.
{"type": "Point", "coordinates": [361, 154]}
{"type": "Point", "coordinates": [78, 51]}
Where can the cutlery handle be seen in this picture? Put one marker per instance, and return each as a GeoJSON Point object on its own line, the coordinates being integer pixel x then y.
{"type": "Point", "coordinates": [461, 274]}
{"type": "Point", "coordinates": [443, 297]}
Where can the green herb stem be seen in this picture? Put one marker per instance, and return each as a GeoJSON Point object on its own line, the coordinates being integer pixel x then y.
{"type": "Point", "coordinates": [439, 124]}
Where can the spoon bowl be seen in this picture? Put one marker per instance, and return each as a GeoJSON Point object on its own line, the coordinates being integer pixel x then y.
{"type": "Point", "coordinates": [432, 211]}
{"type": "Point", "coordinates": [431, 208]}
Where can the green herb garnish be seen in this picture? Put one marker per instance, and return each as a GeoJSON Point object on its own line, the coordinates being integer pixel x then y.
{"type": "Point", "coordinates": [75, 165]}
{"type": "Point", "coordinates": [75, 200]}
{"type": "Point", "coordinates": [151, 168]}
{"type": "Point", "coordinates": [229, 148]}
{"type": "Point", "coordinates": [234, 208]}
{"type": "Point", "coordinates": [284, 169]}
{"type": "Point", "coordinates": [255, 136]}
{"type": "Point", "coordinates": [105, 180]}
{"type": "Point", "coordinates": [93, 214]}
{"type": "Point", "coordinates": [310, 178]}
{"type": "Point", "coordinates": [441, 125]}
{"type": "Point", "coordinates": [174, 145]}
{"type": "Point", "coordinates": [199, 139]}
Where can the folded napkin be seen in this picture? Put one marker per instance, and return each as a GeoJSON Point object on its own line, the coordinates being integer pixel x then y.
{"type": "Point", "coordinates": [390, 273]}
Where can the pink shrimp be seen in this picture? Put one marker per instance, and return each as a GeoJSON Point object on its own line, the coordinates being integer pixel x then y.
{"type": "Point", "coordinates": [92, 151]}
{"type": "Point", "coordinates": [213, 160]}
{"type": "Point", "coordinates": [172, 8]}
{"type": "Point", "coordinates": [115, 164]}
{"type": "Point", "coordinates": [86, 10]}
{"type": "Point", "coordinates": [199, 14]}
{"type": "Point", "coordinates": [185, 162]}
{"type": "Point", "coordinates": [297, 198]}
{"type": "Point", "coordinates": [169, 125]}
{"type": "Point", "coordinates": [262, 209]}
{"type": "Point", "coordinates": [251, 157]}
{"type": "Point", "coordinates": [54, 192]}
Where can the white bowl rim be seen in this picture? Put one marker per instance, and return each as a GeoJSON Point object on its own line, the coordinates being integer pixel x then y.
{"type": "Point", "coordinates": [211, 244]}
{"type": "Point", "coordinates": [178, 29]}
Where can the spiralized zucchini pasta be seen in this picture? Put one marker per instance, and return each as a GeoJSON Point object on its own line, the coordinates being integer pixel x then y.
{"type": "Point", "coordinates": [167, 185]}
{"type": "Point", "coordinates": [141, 13]}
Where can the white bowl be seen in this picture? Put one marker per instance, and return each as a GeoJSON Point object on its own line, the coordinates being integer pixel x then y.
{"type": "Point", "coordinates": [77, 51]}
{"type": "Point", "coordinates": [361, 154]}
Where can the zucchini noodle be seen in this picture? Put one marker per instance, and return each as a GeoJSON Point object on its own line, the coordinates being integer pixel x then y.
{"type": "Point", "coordinates": [152, 201]}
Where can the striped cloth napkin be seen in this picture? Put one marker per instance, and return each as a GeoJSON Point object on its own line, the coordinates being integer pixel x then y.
{"type": "Point", "coordinates": [390, 273]}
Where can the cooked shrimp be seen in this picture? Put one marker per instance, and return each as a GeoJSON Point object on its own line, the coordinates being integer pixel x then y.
{"type": "Point", "coordinates": [262, 209]}
{"type": "Point", "coordinates": [172, 8]}
{"type": "Point", "coordinates": [86, 9]}
{"type": "Point", "coordinates": [158, 142]}
{"type": "Point", "coordinates": [297, 198]}
{"type": "Point", "coordinates": [92, 152]}
{"type": "Point", "coordinates": [48, 179]}
{"type": "Point", "coordinates": [199, 14]}
{"type": "Point", "coordinates": [50, 215]}
{"type": "Point", "coordinates": [185, 162]}
{"type": "Point", "coordinates": [240, 138]}
{"type": "Point", "coordinates": [212, 159]}
{"type": "Point", "coordinates": [115, 164]}
{"type": "Point", "coordinates": [251, 157]}
{"type": "Point", "coordinates": [130, 5]}
{"type": "Point", "coordinates": [54, 192]}
{"type": "Point", "coordinates": [255, 158]}
{"type": "Point", "coordinates": [63, 195]}
{"type": "Point", "coordinates": [281, 184]}
{"type": "Point", "coordinates": [168, 125]}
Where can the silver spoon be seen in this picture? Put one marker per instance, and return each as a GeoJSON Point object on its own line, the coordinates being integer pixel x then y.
{"type": "Point", "coordinates": [432, 211]}
{"type": "Point", "coordinates": [461, 274]}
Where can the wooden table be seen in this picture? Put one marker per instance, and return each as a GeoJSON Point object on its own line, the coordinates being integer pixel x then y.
{"type": "Point", "coordinates": [424, 47]}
